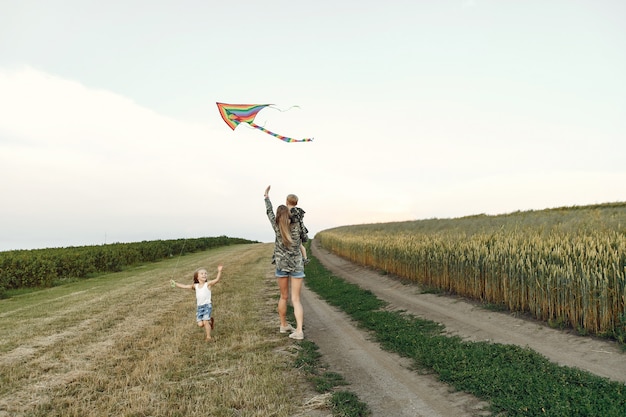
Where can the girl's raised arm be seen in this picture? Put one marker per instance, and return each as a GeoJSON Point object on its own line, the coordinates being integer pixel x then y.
{"type": "Point", "coordinates": [217, 278]}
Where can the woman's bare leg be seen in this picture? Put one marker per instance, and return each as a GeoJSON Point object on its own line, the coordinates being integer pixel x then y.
{"type": "Point", "coordinates": [296, 287]}
{"type": "Point", "coordinates": [283, 285]}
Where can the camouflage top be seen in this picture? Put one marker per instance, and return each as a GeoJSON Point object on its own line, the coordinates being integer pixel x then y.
{"type": "Point", "coordinates": [297, 216]}
{"type": "Point", "coordinates": [288, 259]}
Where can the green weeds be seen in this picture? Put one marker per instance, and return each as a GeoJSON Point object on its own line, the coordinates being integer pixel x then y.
{"type": "Point", "coordinates": [346, 404]}
{"type": "Point", "coordinates": [343, 403]}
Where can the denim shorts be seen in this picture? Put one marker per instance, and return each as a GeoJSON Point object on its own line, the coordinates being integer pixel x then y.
{"type": "Point", "coordinates": [284, 274]}
{"type": "Point", "coordinates": [204, 312]}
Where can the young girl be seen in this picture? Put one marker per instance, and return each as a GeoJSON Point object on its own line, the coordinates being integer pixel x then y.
{"type": "Point", "coordinates": [202, 287]}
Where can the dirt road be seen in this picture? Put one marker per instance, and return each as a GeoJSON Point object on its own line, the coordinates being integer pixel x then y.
{"type": "Point", "coordinates": [384, 381]}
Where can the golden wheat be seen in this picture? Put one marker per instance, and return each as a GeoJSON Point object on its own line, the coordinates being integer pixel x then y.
{"type": "Point", "coordinates": [561, 266]}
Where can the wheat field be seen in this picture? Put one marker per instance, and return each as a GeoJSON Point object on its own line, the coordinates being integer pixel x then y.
{"type": "Point", "coordinates": [564, 266]}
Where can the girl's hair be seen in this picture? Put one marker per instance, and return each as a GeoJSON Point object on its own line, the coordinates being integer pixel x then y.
{"type": "Point", "coordinates": [283, 221]}
{"type": "Point", "coordinates": [292, 199]}
{"type": "Point", "coordinates": [195, 275]}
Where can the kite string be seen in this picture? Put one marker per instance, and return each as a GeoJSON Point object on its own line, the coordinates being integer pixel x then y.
{"type": "Point", "coordinates": [178, 260]}
{"type": "Point", "coordinates": [271, 106]}
{"type": "Point", "coordinates": [282, 111]}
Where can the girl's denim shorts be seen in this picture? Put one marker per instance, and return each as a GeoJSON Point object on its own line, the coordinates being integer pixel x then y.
{"type": "Point", "coordinates": [204, 312]}
{"type": "Point", "coordinates": [284, 274]}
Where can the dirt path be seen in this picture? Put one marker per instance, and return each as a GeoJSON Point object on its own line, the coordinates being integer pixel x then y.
{"type": "Point", "coordinates": [381, 379]}
{"type": "Point", "coordinates": [384, 381]}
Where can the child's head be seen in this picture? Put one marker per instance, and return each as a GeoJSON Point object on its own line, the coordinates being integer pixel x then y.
{"type": "Point", "coordinates": [292, 200]}
{"type": "Point", "coordinates": [199, 272]}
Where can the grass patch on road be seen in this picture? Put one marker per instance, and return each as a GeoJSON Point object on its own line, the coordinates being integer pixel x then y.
{"type": "Point", "coordinates": [516, 381]}
{"type": "Point", "coordinates": [343, 403]}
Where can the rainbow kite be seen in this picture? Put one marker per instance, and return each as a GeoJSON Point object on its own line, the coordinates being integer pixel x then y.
{"type": "Point", "coordinates": [233, 114]}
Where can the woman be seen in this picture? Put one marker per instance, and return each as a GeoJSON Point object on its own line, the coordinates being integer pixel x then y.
{"type": "Point", "coordinates": [289, 265]}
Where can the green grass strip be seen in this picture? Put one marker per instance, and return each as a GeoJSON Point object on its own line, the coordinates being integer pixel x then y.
{"type": "Point", "coordinates": [516, 381]}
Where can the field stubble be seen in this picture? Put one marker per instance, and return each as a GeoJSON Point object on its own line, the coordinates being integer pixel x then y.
{"type": "Point", "coordinates": [127, 344]}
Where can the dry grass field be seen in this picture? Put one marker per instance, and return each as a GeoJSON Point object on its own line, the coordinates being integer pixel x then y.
{"type": "Point", "coordinates": [126, 344]}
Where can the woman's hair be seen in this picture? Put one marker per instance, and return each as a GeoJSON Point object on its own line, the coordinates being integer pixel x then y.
{"type": "Point", "coordinates": [283, 221]}
{"type": "Point", "coordinates": [292, 199]}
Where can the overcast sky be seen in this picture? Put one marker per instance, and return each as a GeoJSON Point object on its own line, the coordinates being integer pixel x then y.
{"type": "Point", "coordinates": [109, 130]}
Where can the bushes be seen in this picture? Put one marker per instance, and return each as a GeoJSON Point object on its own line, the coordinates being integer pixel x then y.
{"type": "Point", "coordinates": [41, 267]}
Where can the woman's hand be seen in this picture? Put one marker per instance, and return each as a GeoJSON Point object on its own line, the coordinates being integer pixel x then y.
{"type": "Point", "coordinates": [267, 191]}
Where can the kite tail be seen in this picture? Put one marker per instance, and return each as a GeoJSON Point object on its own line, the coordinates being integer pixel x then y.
{"type": "Point", "coordinates": [281, 137]}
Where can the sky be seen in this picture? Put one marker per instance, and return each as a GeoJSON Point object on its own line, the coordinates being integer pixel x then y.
{"type": "Point", "coordinates": [419, 109]}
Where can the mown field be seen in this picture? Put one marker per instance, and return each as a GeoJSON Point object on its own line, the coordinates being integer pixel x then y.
{"type": "Point", "coordinates": [126, 344]}
{"type": "Point", "coordinates": [565, 266]}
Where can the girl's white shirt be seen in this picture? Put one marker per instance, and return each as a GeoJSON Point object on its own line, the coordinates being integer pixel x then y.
{"type": "Point", "coordinates": [203, 293]}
